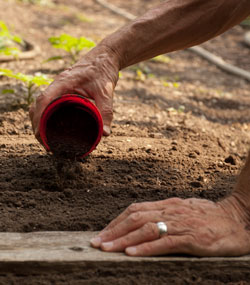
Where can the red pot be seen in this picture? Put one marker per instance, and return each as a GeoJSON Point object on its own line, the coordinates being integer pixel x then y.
{"type": "Point", "coordinates": [71, 126]}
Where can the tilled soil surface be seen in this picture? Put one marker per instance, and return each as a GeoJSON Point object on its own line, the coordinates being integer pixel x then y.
{"type": "Point", "coordinates": [187, 140]}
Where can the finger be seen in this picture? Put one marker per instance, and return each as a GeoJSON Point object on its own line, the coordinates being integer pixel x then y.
{"type": "Point", "coordinates": [105, 105]}
{"type": "Point", "coordinates": [31, 111]}
{"type": "Point", "coordinates": [176, 225]}
{"type": "Point", "coordinates": [168, 244]}
{"type": "Point", "coordinates": [42, 101]}
{"type": "Point", "coordinates": [131, 223]}
{"type": "Point", "coordinates": [147, 232]}
{"type": "Point", "coordinates": [144, 206]}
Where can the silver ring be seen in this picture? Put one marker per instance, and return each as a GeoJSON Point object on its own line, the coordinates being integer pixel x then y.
{"type": "Point", "coordinates": [162, 227]}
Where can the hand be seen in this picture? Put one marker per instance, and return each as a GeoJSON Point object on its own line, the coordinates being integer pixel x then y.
{"type": "Point", "coordinates": [195, 227]}
{"type": "Point", "coordinates": [94, 77]}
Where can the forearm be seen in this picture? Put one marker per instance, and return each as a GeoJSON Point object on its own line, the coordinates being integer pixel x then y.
{"type": "Point", "coordinates": [242, 189]}
{"type": "Point", "coordinates": [174, 25]}
{"type": "Point", "coordinates": [238, 203]}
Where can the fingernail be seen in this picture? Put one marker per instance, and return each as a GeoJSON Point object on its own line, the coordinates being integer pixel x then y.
{"type": "Point", "coordinates": [96, 241]}
{"type": "Point", "coordinates": [106, 130]}
{"type": "Point", "coordinates": [131, 250]}
{"type": "Point", "coordinates": [107, 245]}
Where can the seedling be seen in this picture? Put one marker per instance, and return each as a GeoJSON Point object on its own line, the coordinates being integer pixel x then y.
{"type": "Point", "coordinates": [142, 72]}
{"type": "Point", "coordinates": [170, 84]}
{"type": "Point", "coordinates": [161, 58]}
{"type": "Point", "coordinates": [31, 83]}
{"type": "Point", "coordinates": [8, 41]}
{"type": "Point", "coordinates": [72, 45]}
{"type": "Point", "coordinates": [140, 76]}
{"type": "Point", "coordinates": [81, 17]}
{"type": "Point", "coordinates": [246, 22]}
{"type": "Point", "coordinates": [180, 109]}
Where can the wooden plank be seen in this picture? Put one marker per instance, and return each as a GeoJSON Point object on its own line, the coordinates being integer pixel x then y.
{"type": "Point", "coordinates": [69, 252]}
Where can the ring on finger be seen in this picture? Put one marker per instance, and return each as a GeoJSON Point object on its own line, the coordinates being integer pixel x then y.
{"type": "Point", "coordinates": [162, 227]}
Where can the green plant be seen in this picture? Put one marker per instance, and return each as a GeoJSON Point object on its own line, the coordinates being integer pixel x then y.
{"type": "Point", "coordinates": [180, 109]}
{"type": "Point", "coordinates": [72, 45]}
{"type": "Point", "coordinates": [81, 17]}
{"type": "Point", "coordinates": [32, 83]}
{"type": "Point", "coordinates": [170, 84]}
{"type": "Point", "coordinates": [161, 58]}
{"type": "Point", "coordinates": [246, 22]}
{"type": "Point", "coordinates": [140, 75]}
{"type": "Point", "coordinates": [8, 41]}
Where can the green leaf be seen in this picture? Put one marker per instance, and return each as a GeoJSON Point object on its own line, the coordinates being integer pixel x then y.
{"type": "Point", "coordinates": [161, 58]}
{"type": "Point", "coordinates": [57, 57]}
{"type": "Point", "coordinates": [83, 18]}
{"type": "Point", "coordinates": [17, 39]}
{"type": "Point", "coordinates": [37, 80]}
{"type": "Point", "coordinates": [22, 77]}
{"type": "Point", "coordinates": [71, 44]}
{"type": "Point", "coordinates": [140, 75]}
{"type": "Point", "coordinates": [64, 41]}
{"type": "Point", "coordinates": [41, 80]}
{"type": "Point", "coordinates": [7, 39]}
{"type": "Point", "coordinates": [3, 27]}
{"type": "Point", "coordinates": [31, 82]}
{"type": "Point", "coordinates": [83, 43]}
{"type": "Point", "coordinates": [9, 51]}
{"type": "Point", "coordinates": [8, 91]}
{"type": "Point", "coordinates": [5, 72]}
{"type": "Point", "coordinates": [165, 83]}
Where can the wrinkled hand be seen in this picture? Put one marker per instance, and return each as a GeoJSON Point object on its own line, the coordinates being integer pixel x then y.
{"type": "Point", "coordinates": [195, 226]}
{"type": "Point", "coordinates": [94, 77]}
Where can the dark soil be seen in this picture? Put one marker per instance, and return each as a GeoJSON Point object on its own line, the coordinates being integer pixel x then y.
{"type": "Point", "coordinates": [166, 141]}
{"type": "Point", "coordinates": [71, 132]}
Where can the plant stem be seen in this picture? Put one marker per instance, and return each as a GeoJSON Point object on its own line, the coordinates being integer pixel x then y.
{"type": "Point", "coordinates": [30, 94]}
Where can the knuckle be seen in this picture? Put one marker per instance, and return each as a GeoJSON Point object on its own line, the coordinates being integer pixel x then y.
{"type": "Point", "coordinates": [147, 248]}
{"type": "Point", "coordinates": [150, 230]}
{"type": "Point", "coordinates": [135, 217]}
{"type": "Point", "coordinates": [132, 208]}
{"type": "Point", "coordinates": [64, 74]}
{"type": "Point", "coordinates": [181, 210]}
{"type": "Point", "coordinates": [189, 243]}
{"type": "Point", "coordinates": [170, 242]}
{"type": "Point", "coordinates": [174, 201]}
{"type": "Point", "coordinates": [40, 99]}
{"type": "Point", "coordinates": [123, 243]}
{"type": "Point", "coordinates": [112, 233]}
{"type": "Point", "coordinates": [107, 112]}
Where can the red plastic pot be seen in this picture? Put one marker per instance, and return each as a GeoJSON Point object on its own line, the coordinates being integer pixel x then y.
{"type": "Point", "coordinates": [71, 126]}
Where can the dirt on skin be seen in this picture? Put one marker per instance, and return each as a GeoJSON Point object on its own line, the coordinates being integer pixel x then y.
{"type": "Point", "coordinates": [187, 140]}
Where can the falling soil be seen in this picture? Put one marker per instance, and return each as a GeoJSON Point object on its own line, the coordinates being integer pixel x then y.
{"type": "Point", "coordinates": [71, 131]}
{"type": "Point", "coordinates": [66, 169]}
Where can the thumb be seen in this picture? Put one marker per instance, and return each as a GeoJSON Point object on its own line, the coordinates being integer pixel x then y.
{"type": "Point", "coordinates": [106, 110]}
{"type": "Point", "coordinates": [105, 105]}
